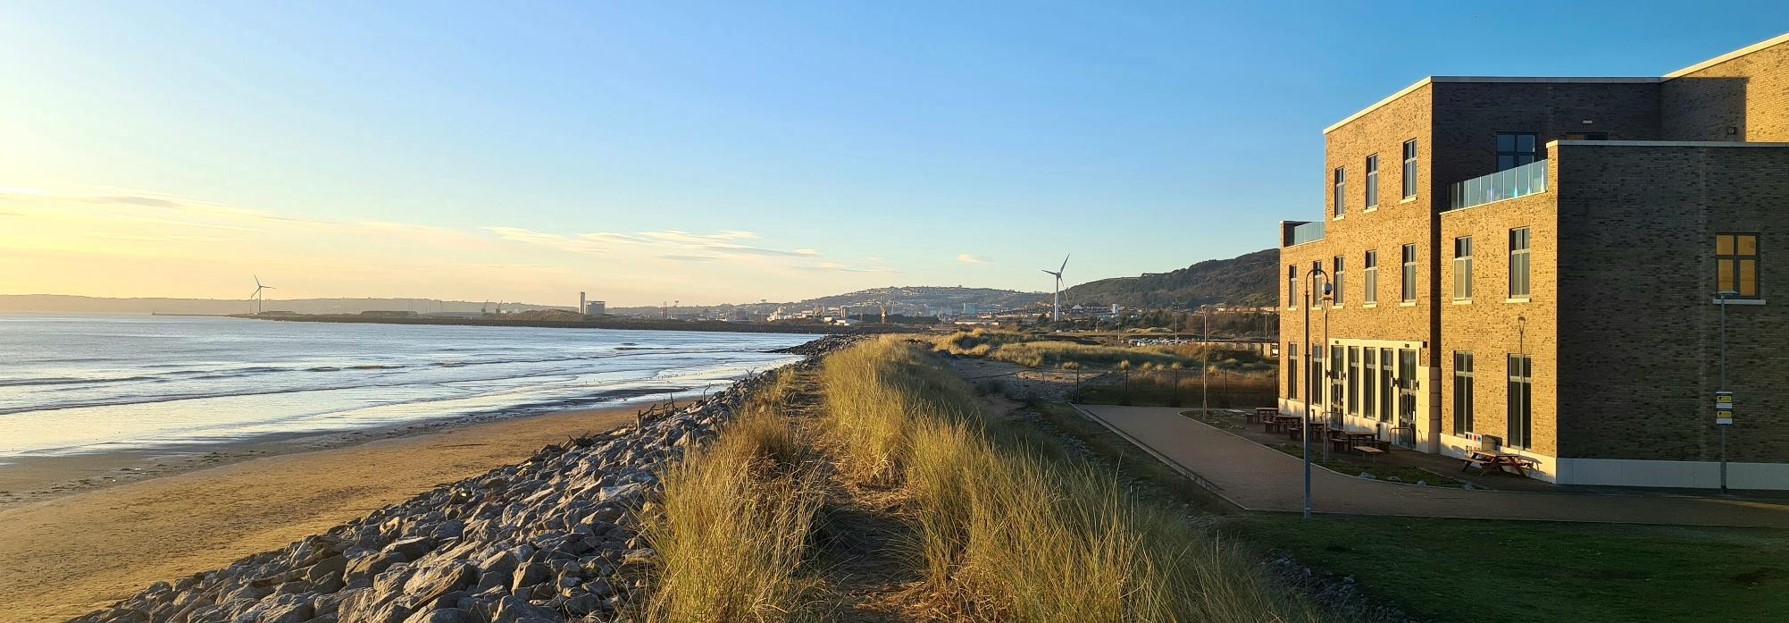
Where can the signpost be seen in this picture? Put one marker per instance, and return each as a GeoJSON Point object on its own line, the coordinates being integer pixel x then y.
{"type": "Point", "coordinates": [1723, 408]}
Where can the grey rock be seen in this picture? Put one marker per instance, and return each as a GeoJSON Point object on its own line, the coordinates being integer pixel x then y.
{"type": "Point", "coordinates": [444, 615]}
{"type": "Point", "coordinates": [433, 582]}
{"type": "Point", "coordinates": [530, 574]}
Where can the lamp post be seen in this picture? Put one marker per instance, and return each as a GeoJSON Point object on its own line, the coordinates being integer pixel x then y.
{"type": "Point", "coordinates": [1722, 421]}
{"type": "Point", "coordinates": [1205, 364]}
{"type": "Point", "coordinates": [1305, 427]}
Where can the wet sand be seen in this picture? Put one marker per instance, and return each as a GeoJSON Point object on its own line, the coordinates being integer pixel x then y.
{"type": "Point", "coordinates": [71, 551]}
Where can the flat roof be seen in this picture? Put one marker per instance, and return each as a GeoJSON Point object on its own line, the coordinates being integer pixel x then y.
{"type": "Point", "coordinates": [1779, 39]}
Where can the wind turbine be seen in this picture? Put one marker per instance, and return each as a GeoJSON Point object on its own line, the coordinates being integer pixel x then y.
{"type": "Point", "coordinates": [257, 295]}
{"type": "Point", "coordinates": [1056, 299]}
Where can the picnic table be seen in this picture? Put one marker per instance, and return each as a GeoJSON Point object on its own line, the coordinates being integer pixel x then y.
{"type": "Point", "coordinates": [1279, 423]}
{"type": "Point", "coordinates": [1485, 460]}
{"type": "Point", "coordinates": [1263, 414]}
{"type": "Point", "coordinates": [1343, 441]}
{"type": "Point", "coordinates": [1296, 432]}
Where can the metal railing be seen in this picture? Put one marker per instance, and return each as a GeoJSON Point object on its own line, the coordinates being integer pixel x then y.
{"type": "Point", "coordinates": [1308, 232]}
{"type": "Point", "coordinates": [1521, 181]}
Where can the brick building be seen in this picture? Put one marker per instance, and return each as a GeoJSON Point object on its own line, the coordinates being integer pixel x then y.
{"type": "Point", "coordinates": [1534, 263]}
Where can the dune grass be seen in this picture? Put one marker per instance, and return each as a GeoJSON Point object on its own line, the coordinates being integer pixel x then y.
{"type": "Point", "coordinates": [733, 526]}
{"type": "Point", "coordinates": [1008, 532]}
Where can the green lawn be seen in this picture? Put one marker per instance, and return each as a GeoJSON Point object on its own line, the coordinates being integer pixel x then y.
{"type": "Point", "coordinates": [1485, 571]}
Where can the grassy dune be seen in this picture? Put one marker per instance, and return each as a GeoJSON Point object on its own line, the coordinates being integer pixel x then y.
{"type": "Point", "coordinates": [1008, 532]}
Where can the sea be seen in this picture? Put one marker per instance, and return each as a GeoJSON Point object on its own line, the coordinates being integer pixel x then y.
{"type": "Point", "coordinates": [72, 384]}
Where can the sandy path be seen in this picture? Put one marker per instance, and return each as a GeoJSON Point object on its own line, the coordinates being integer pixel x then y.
{"type": "Point", "coordinates": [67, 556]}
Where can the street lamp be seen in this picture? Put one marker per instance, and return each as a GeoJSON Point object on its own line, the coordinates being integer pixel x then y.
{"type": "Point", "coordinates": [1723, 421]}
{"type": "Point", "coordinates": [1205, 364]}
{"type": "Point", "coordinates": [1305, 427]}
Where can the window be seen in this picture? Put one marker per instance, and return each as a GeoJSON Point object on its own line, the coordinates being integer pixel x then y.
{"type": "Point", "coordinates": [1336, 292]}
{"type": "Point", "coordinates": [1515, 149]}
{"type": "Point", "coordinates": [1292, 370]}
{"type": "Point", "coordinates": [1292, 286]}
{"type": "Point", "coordinates": [1372, 181]}
{"type": "Point", "coordinates": [1369, 386]}
{"type": "Point", "coordinates": [1407, 372]}
{"type": "Point", "coordinates": [1314, 388]}
{"type": "Point", "coordinates": [1336, 374]}
{"type": "Point", "coordinates": [1341, 193]}
{"type": "Point", "coordinates": [1369, 287]}
{"type": "Point", "coordinates": [1521, 401]}
{"type": "Point", "coordinates": [1462, 392]}
{"type": "Point", "coordinates": [1410, 169]}
{"type": "Point", "coordinates": [1736, 262]}
{"type": "Point", "coordinates": [1388, 383]}
{"type": "Point", "coordinates": [1409, 290]}
{"type": "Point", "coordinates": [1354, 380]}
{"type": "Point", "coordinates": [1463, 269]}
{"type": "Point", "coordinates": [1518, 263]}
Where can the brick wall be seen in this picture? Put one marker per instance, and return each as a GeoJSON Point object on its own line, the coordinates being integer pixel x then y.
{"type": "Point", "coordinates": [1490, 326]}
{"type": "Point", "coordinates": [1638, 337]}
{"type": "Point", "coordinates": [1749, 94]}
{"type": "Point", "coordinates": [1468, 116]}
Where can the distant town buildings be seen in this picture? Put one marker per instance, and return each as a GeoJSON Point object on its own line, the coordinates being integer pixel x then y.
{"type": "Point", "coordinates": [1535, 266]}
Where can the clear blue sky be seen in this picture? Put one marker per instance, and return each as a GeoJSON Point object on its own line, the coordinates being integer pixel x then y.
{"type": "Point", "coordinates": [801, 148]}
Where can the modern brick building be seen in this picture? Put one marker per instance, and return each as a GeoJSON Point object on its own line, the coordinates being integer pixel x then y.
{"type": "Point", "coordinates": [1537, 261]}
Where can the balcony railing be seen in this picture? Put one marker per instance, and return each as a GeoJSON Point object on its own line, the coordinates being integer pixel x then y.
{"type": "Point", "coordinates": [1307, 232]}
{"type": "Point", "coordinates": [1521, 181]}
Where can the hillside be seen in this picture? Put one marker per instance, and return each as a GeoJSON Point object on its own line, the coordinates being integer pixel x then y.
{"type": "Point", "coordinates": [1246, 280]}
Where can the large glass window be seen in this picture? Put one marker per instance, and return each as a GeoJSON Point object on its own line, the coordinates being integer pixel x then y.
{"type": "Point", "coordinates": [1736, 265]}
{"type": "Point", "coordinates": [1462, 392]}
{"type": "Point", "coordinates": [1515, 149]}
{"type": "Point", "coordinates": [1335, 292]}
{"type": "Point", "coordinates": [1410, 169]}
{"type": "Point", "coordinates": [1292, 370]}
{"type": "Point", "coordinates": [1521, 401]}
{"type": "Point", "coordinates": [1518, 263]}
{"type": "Point", "coordinates": [1388, 382]}
{"type": "Point", "coordinates": [1463, 268]}
{"type": "Point", "coordinates": [1341, 190]}
{"type": "Point", "coordinates": [1372, 181]}
{"type": "Point", "coordinates": [1409, 285]}
{"type": "Point", "coordinates": [1369, 381]}
{"type": "Point", "coordinates": [1354, 380]}
{"type": "Point", "coordinates": [1315, 385]}
{"type": "Point", "coordinates": [1369, 286]}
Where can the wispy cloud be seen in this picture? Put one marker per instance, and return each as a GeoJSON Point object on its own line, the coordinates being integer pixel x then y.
{"type": "Point", "coordinates": [837, 267]}
{"type": "Point", "coordinates": [972, 259]}
{"type": "Point", "coordinates": [679, 245]}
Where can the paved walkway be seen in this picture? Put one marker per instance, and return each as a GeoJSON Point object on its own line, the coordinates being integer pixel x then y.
{"type": "Point", "coordinates": [1258, 478]}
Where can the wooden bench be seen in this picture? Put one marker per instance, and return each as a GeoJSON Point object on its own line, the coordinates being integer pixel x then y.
{"type": "Point", "coordinates": [1371, 452]}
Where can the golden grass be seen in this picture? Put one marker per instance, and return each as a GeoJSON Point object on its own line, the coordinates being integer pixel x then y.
{"type": "Point", "coordinates": [1009, 534]}
{"type": "Point", "coordinates": [733, 526]}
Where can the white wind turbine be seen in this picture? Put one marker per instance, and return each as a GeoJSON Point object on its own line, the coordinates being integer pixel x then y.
{"type": "Point", "coordinates": [1056, 299]}
{"type": "Point", "coordinates": [257, 295]}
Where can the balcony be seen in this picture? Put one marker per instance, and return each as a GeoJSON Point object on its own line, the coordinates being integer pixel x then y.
{"type": "Point", "coordinates": [1521, 181]}
{"type": "Point", "coordinates": [1306, 232]}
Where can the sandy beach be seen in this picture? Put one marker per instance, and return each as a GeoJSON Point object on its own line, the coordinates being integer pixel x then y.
{"type": "Point", "coordinates": [67, 555]}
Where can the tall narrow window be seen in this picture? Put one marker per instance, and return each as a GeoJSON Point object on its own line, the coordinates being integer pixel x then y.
{"type": "Point", "coordinates": [1409, 285]}
{"type": "Point", "coordinates": [1521, 401]}
{"type": "Point", "coordinates": [1354, 380]}
{"type": "Point", "coordinates": [1372, 181]}
{"type": "Point", "coordinates": [1292, 286]}
{"type": "Point", "coordinates": [1369, 287]}
{"type": "Point", "coordinates": [1341, 193]}
{"type": "Point", "coordinates": [1515, 149]}
{"type": "Point", "coordinates": [1463, 268]}
{"type": "Point", "coordinates": [1314, 387]}
{"type": "Point", "coordinates": [1292, 370]}
{"type": "Point", "coordinates": [1518, 263]}
{"type": "Point", "coordinates": [1388, 382]}
{"type": "Point", "coordinates": [1410, 169]}
{"type": "Point", "coordinates": [1369, 381]}
{"type": "Point", "coordinates": [1337, 376]}
{"type": "Point", "coordinates": [1736, 265]}
{"type": "Point", "coordinates": [1462, 392]}
{"type": "Point", "coordinates": [1407, 372]}
{"type": "Point", "coordinates": [1336, 292]}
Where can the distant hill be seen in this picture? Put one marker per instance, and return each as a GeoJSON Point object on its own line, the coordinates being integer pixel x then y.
{"type": "Point", "coordinates": [91, 304]}
{"type": "Point", "coordinates": [1246, 280]}
{"type": "Point", "coordinates": [915, 301]}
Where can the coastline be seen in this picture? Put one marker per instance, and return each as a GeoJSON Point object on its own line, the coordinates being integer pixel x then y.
{"type": "Point", "coordinates": [27, 480]}
{"type": "Point", "coordinates": [64, 557]}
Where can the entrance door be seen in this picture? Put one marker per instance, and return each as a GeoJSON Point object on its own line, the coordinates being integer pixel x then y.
{"type": "Point", "coordinates": [1404, 434]}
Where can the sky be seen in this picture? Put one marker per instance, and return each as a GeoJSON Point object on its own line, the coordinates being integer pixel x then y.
{"type": "Point", "coordinates": [717, 152]}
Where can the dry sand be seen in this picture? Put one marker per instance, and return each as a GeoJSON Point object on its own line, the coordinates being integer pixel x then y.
{"type": "Point", "coordinates": [66, 556]}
